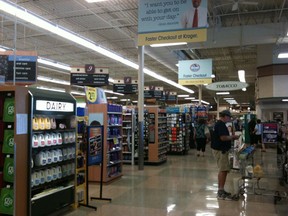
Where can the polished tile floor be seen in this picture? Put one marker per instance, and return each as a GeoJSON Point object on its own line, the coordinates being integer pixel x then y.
{"type": "Point", "coordinates": [186, 186]}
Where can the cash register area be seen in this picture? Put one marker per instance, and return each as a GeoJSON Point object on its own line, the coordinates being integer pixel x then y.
{"type": "Point", "coordinates": [186, 185]}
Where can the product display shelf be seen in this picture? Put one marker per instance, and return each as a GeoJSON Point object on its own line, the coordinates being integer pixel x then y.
{"type": "Point", "coordinates": [81, 154]}
{"type": "Point", "coordinates": [175, 128]}
{"type": "Point", "coordinates": [145, 137]}
{"type": "Point", "coordinates": [110, 116]}
{"type": "Point", "coordinates": [187, 131]}
{"type": "Point", "coordinates": [13, 142]}
{"type": "Point", "coordinates": [52, 151]}
{"type": "Point", "coordinates": [129, 127]}
{"type": "Point", "coordinates": [158, 142]}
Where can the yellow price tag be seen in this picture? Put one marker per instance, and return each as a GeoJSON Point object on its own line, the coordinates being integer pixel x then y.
{"type": "Point", "coordinates": [91, 94]}
{"type": "Point", "coordinates": [115, 140]}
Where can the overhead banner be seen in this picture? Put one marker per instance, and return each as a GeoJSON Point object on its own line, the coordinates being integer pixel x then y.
{"type": "Point", "coordinates": [227, 86]}
{"type": "Point", "coordinates": [171, 21]}
{"type": "Point", "coordinates": [195, 72]}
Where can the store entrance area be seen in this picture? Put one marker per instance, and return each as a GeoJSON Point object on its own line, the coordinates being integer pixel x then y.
{"type": "Point", "coordinates": [186, 185]}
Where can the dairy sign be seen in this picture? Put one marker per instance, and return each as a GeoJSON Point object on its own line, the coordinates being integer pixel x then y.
{"type": "Point", "coordinates": [56, 106]}
{"type": "Point", "coordinates": [195, 72]}
{"type": "Point", "coordinates": [227, 86]}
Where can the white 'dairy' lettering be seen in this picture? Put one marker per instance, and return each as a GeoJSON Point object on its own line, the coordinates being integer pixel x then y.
{"type": "Point", "coordinates": [55, 105]}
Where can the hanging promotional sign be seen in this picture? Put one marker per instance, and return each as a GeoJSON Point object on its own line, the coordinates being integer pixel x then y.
{"type": "Point", "coordinates": [170, 21]}
{"type": "Point", "coordinates": [195, 72]}
{"type": "Point", "coordinates": [227, 86]}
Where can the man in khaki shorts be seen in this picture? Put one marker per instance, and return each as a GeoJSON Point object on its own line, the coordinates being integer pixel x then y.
{"type": "Point", "coordinates": [221, 144]}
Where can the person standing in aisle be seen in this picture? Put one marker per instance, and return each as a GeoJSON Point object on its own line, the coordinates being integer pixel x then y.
{"type": "Point", "coordinates": [201, 136]}
{"type": "Point", "coordinates": [251, 127]}
{"type": "Point", "coordinates": [258, 135]}
{"type": "Point", "coordinates": [195, 17]}
{"type": "Point", "coordinates": [221, 144]}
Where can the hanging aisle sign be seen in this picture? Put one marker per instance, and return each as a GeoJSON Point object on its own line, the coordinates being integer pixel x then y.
{"type": "Point", "coordinates": [89, 75]}
{"type": "Point", "coordinates": [171, 21]}
{"type": "Point", "coordinates": [126, 86]}
{"type": "Point", "coordinates": [227, 86]}
{"type": "Point", "coordinates": [153, 92]}
{"type": "Point", "coordinates": [26, 66]}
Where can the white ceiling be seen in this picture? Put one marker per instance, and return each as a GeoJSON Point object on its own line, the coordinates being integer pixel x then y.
{"type": "Point", "coordinates": [233, 38]}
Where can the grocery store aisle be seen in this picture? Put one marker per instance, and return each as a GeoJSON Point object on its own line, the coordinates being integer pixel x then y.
{"type": "Point", "coordinates": [185, 185]}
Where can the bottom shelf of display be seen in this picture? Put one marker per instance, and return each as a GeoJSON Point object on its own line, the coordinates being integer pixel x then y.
{"type": "Point", "coordinates": [48, 203]}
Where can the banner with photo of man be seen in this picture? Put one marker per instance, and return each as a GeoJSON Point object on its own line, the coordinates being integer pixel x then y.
{"type": "Point", "coordinates": [170, 21]}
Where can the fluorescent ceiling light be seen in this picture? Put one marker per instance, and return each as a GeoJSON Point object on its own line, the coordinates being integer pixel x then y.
{"type": "Point", "coordinates": [231, 98]}
{"type": "Point", "coordinates": [189, 98]}
{"type": "Point", "coordinates": [134, 101]}
{"type": "Point", "coordinates": [222, 93]}
{"type": "Point", "coordinates": [51, 89]}
{"type": "Point", "coordinates": [125, 100]}
{"type": "Point", "coordinates": [111, 92]}
{"type": "Point", "coordinates": [168, 44]}
{"type": "Point", "coordinates": [53, 64]}
{"type": "Point", "coordinates": [285, 100]}
{"type": "Point", "coordinates": [25, 15]}
{"type": "Point", "coordinates": [112, 98]}
{"type": "Point", "coordinates": [213, 76]}
{"type": "Point", "coordinates": [77, 93]}
{"type": "Point", "coordinates": [93, 1]}
{"type": "Point", "coordinates": [244, 89]}
{"type": "Point", "coordinates": [241, 76]}
{"type": "Point", "coordinates": [2, 49]}
{"type": "Point", "coordinates": [283, 55]}
{"type": "Point", "coordinates": [182, 96]}
{"type": "Point", "coordinates": [49, 79]}
{"type": "Point", "coordinates": [202, 101]}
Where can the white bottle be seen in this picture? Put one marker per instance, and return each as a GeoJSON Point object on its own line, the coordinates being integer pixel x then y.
{"type": "Point", "coordinates": [48, 175]}
{"type": "Point", "coordinates": [41, 159]}
{"type": "Point", "coordinates": [41, 140]}
{"type": "Point", "coordinates": [59, 139]}
{"type": "Point", "coordinates": [48, 139]}
{"type": "Point", "coordinates": [35, 141]}
{"type": "Point", "coordinates": [54, 139]}
{"type": "Point", "coordinates": [60, 155]}
{"type": "Point", "coordinates": [54, 173]}
{"type": "Point", "coordinates": [54, 156]}
{"type": "Point", "coordinates": [49, 157]}
{"type": "Point", "coordinates": [59, 171]}
{"type": "Point", "coordinates": [42, 177]}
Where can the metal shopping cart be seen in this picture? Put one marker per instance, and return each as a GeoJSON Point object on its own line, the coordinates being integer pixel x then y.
{"type": "Point", "coordinates": [251, 174]}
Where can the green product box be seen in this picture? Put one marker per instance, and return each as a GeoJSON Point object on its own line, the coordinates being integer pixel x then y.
{"type": "Point", "coordinates": [8, 170]}
{"type": "Point", "coordinates": [6, 201]}
{"type": "Point", "coordinates": [8, 142]}
{"type": "Point", "coordinates": [8, 111]}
